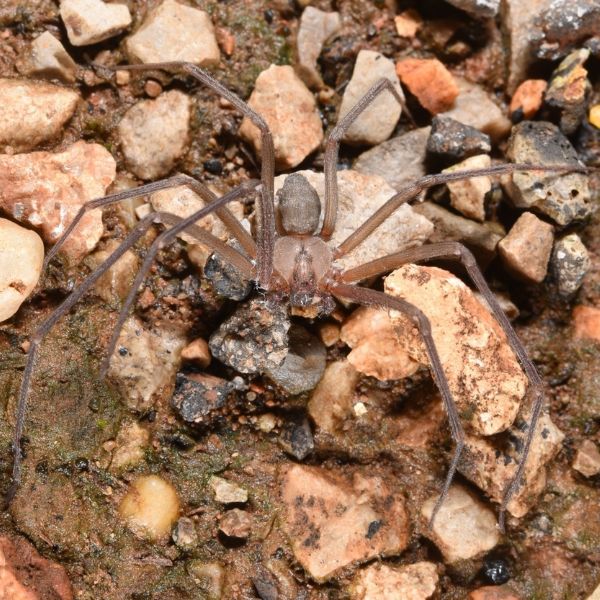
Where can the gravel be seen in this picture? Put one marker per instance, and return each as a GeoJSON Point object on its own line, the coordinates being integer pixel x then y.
{"type": "Point", "coordinates": [451, 140]}
{"type": "Point", "coordinates": [197, 395]}
{"type": "Point", "coordinates": [92, 21]}
{"type": "Point", "coordinates": [570, 262]}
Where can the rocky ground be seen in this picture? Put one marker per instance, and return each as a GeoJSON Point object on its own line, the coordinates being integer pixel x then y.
{"type": "Point", "coordinates": [235, 450]}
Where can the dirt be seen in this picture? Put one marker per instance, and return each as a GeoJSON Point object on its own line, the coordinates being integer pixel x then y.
{"type": "Point", "coordinates": [67, 503]}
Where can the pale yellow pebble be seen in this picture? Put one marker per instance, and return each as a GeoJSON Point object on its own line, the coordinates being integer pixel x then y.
{"type": "Point", "coordinates": [595, 116]}
{"type": "Point", "coordinates": [150, 507]}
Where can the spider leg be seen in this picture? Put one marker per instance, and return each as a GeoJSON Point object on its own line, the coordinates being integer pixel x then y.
{"type": "Point", "coordinates": [458, 252]}
{"type": "Point", "coordinates": [166, 237]}
{"type": "Point", "coordinates": [232, 224]}
{"type": "Point", "coordinates": [333, 146]}
{"type": "Point", "coordinates": [40, 333]}
{"type": "Point", "coordinates": [413, 190]}
{"type": "Point", "coordinates": [266, 226]}
{"type": "Point", "coordinates": [368, 297]}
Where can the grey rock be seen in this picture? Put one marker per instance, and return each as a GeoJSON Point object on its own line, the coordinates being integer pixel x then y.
{"type": "Point", "coordinates": [196, 396]}
{"type": "Point", "coordinates": [377, 122]}
{"type": "Point", "coordinates": [564, 198]}
{"type": "Point", "coordinates": [448, 226]}
{"type": "Point", "coordinates": [254, 338]}
{"type": "Point", "coordinates": [567, 91]}
{"type": "Point", "coordinates": [478, 8]}
{"type": "Point", "coordinates": [297, 439]}
{"type": "Point", "coordinates": [451, 140]}
{"type": "Point", "coordinates": [154, 134]}
{"type": "Point", "coordinates": [304, 364]}
{"type": "Point", "coordinates": [569, 263]}
{"type": "Point", "coordinates": [226, 280]}
{"type": "Point", "coordinates": [475, 107]}
{"type": "Point", "coordinates": [316, 27]}
{"type": "Point", "coordinates": [564, 25]}
{"type": "Point", "coordinates": [400, 160]}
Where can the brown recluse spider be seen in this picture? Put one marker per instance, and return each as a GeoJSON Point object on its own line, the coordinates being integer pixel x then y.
{"type": "Point", "coordinates": [292, 260]}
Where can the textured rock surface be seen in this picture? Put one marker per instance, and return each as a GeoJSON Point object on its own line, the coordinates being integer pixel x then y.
{"type": "Point", "coordinates": [376, 350]}
{"type": "Point", "coordinates": [21, 258]}
{"type": "Point", "coordinates": [130, 446]}
{"type": "Point", "coordinates": [290, 110]}
{"type": "Point", "coordinates": [570, 262]}
{"type": "Point", "coordinates": [32, 113]}
{"type": "Point", "coordinates": [526, 249]}
{"type": "Point", "coordinates": [316, 27]}
{"type": "Point", "coordinates": [333, 521]}
{"type": "Point", "coordinates": [155, 133]}
{"type": "Point", "coordinates": [359, 196]}
{"type": "Point", "coordinates": [227, 492]}
{"type": "Point", "coordinates": [49, 59]}
{"type": "Point", "coordinates": [377, 122]}
{"type": "Point", "coordinates": [527, 99]}
{"type": "Point", "coordinates": [563, 198]}
{"type": "Point", "coordinates": [236, 523]}
{"type": "Point", "coordinates": [92, 21]}
{"type": "Point", "coordinates": [418, 581]}
{"type": "Point", "coordinates": [587, 459]}
{"type": "Point", "coordinates": [492, 467]}
{"type": "Point", "coordinates": [399, 160]}
{"type": "Point", "coordinates": [452, 141]}
{"type": "Point", "coordinates": [464, 527]}
{"type": "Point", "coordinates": [174, 32]}
{"type": "Point", "coordinates": [483, 374]}
{"type": "Point", "coordinates": [430, 81]}
{"type": "Point", "coordinates": [46, 190]}
{"type": "Point", "coordinates": [144, 363]}
{"type": "Point", "coordinates": [468, 197]}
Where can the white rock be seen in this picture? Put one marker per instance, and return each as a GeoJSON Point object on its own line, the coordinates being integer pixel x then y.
{"type": "Point", "coordinates": [175, 32]}
{"type": "Point", "coordinates": [359, 196]}
{"type": "Point", "coordinates": [468, 196]}
{"type": "Point", "coordinates": [377, 122]}
{"type": "Point", "coordinates": [463, 527]}
{"type": "Point", "coordinates": [32, 113]}
{"type": "Point", "coordinates": [379, 581]}
{"type": "Point", "coordinates": [491, 467]}
{"type": "Point", "coordinates": [316, 27]}
{"type": "Point", "coordinates": [227, 492]}
{"type": "Point", "coordinates": [92, 21]}
{"type": "Point", "coordinates": [150, 507]}
{"type": "Point", "coordinates": [290, 110]}
{"type": "Point", "coordinates": [483, 373]}
{"type": "Point", "coordinates": [46, 191]}
{"type": "Point", "coordinates": [21, 258]}
{"type": "Point", "coordinates": [155, 133]}
{"type": "Point", "coordinates": [145, 363]}
{"type": "Point", "coordinates": [49, 59]}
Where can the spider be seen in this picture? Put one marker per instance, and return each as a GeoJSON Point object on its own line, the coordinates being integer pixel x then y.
{"type": "Point", "coordinates": [290, 260]}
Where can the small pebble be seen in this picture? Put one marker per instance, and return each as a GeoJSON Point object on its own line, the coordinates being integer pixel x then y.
{"type": "Point", "coordinates": [329, 334]}
{"type": "Point", "coordinates": [129, 446]}
{"type": "Point", "coordinates": [150, 507]}
{"type": "Point", "coordinates": [569, 263]}
{"type": "Point", "coordinates": [290, 110]}
{"type": "Point", "coordinates": [115, 283]}
{"type": "Point", "coordinates": [152, 88]}
{"type": "Point", "coordinates": [297, 439]}
{"type": "Point", "coordinates": [527, 99]}
{"type": "Point", "coordinates": [267, 422]}
{"type": "Point", "coordinates": [227, 492]}
{"type": "Point", "coordinates": [197, 395]}
{"type": "Point", "coordinates": [184, 534]}
{"type": "Point", "coordinates": [49, 59]}
{"type": "Point", "coordinates": [463, 528]}
{"type": "Point", "coordinates": [214, 166]}
{"type": "Point", "coordinates": [122, 77]}
{"type": "Point", "coordinates": [92, 21]}
{"type": "Point", "coordinates": [226, 280]}
{"type": "Point", "coordinates": [316, 27]}
{"type": "Point", "coordinates": [587, 459]}
{"type": "Point", "coordinates": [594, 116]}
{"type": "Point", "coordinates": [430, 81]}
{"type": "Point", "coordinates": [495, 570]}
{"type": "Point", "coordinates": [175, 32]}
{"type": "Point", "coordinates": [586, 322]}
{"type": "Point", "coordinates": [468, 196]}
{"type": "Point", "coordinates": [568, 89]}
{"type": "Point", "coordinates": [408, 23]}
{"type": "Point", "coordinates": [209, 577]}
{"type": "Point", "coordinates": [451, 140]}
{"type": "Point", "coordinates": [21, 258]}
{"type": "Point", "coordinates": [525, 251]}
{"type": "Point", "coordinates": [236, 523]}
{"type": "Point", "coordinates": [197, 352]}
{"type": "Point", "coordinates": [377, 122]}
{"type": "Point", "coordinates": [32, 113]}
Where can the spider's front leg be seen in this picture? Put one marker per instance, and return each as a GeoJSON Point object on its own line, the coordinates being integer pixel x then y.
{"type": "Point", "coordinates": [368, 297]}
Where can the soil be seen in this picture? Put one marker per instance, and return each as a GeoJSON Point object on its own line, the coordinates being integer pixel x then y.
{"type": "Point", "coordinates": [67, 503]}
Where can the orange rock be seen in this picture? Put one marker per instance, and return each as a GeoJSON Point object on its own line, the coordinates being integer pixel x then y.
{"type": "Point", "coordinates": [408, 23]}
{"type": "Point", "coordinates": [493, 592]}
{"type": "Point", "coordinates": [528, 97]}
{"type": "Point", "coordinates": [586, 322]}
{"type": "Point", "coordinates": [430, 81]}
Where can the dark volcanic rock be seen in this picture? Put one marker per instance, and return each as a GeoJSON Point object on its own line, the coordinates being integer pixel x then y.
{"type": "Point", "coordinates": [452, 141]}
{"type": "Point", "coordinates": [297, 439]}
{"type": "Point", "coordinates": [196, 396]}
{"type": "Point", "coordinates": [226, 279]}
